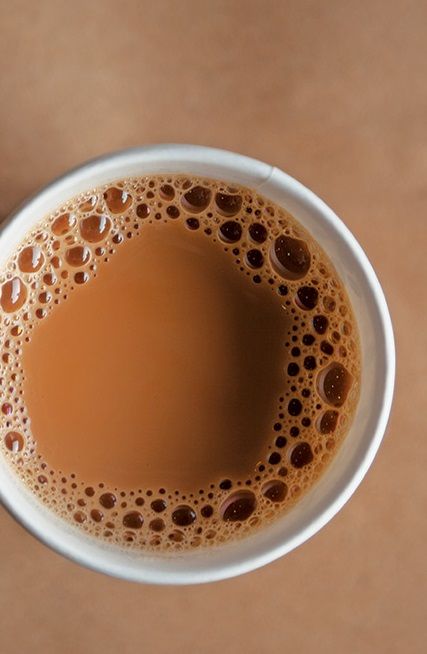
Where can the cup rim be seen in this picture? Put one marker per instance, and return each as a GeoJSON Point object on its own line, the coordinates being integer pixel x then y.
{"type": "Point", "coordinates": [259, 176]}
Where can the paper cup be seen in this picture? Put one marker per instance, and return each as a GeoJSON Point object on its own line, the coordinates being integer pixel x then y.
{"type": "Point", "coordinates": [356, 453]}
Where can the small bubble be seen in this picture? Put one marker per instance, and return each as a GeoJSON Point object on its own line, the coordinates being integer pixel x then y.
{"type": "Point", "coordinates": [301, 455]}
{"type": "Point", "coordinates": [13, 295]}
{"type": "Point", "coordinates": [196, 199]}
{"type": "Point", "coordinates": [14, 441]}
{"type": "Point", "coordinates": [143, 210]}
{"type": "Point", "coordinates": [81, 277]}
{"type": "Point", "coordinates": [238, 506]}
{"type": "Point", "coordinates": [192, 223]}
{"type": "Point", "coordinates": [157, 525]}
{"type": "Point", "coordinates": [326, 348]}
{"type": "Point", "coordinates": [258, 232]}
{"type": "Point", "coordinates": [158, 505]}
{"type": "Point", "coordinates": [274, 458]}
{"type": "Point", "coordinates": [328, 422]}
{"type": "Point", "coordinates": [206, 511]}
{"type": "Point", "coordinates": [117, 200]}
{"type": "Point", "coordinates": [230, 231]}
{"type": "Point", "coordinates": [275, 490]}
{"type": "Point", "coordinates": [167, 192]}
{"type": "Point", "coordinates": [30, 259]}
{"type": "Point", "coordinates": [80, 517]}
{"type": "Point", "coordinates": [320, 324]}
{"type": "Point", "coordinates": [226, 484]}
{"type": "Point", "coordinates": [176, 536]}
{"type": "Point", "coordinates": [6, 409]}
{"type": "Point", "coordinates": [173, 211]}
{"type": "Point", "coordinates": [254, 258]}
{"type": "Point", "coordinates": [95, 228]}
{"type": "Point", "coordinates": [307, 297]}
{"type": "Point", "coordinates": [290, 257]}
{"type": "Point", "coordinates": [310, 363]}
{"type": "Point", "coordinates": [63, 224]}
{"type": "Point", "coordinates": [228, 205]}
{"type": "Point", "coordinates": [133, 520]}
{"type": "Point", "coordinates": [334, 383]}
{"type": "Point", "coordinates": [183, 516]}
{"type": "Point", "coordinates": [293, 369]}
{"type": "Point", "coordinates": [107, 500]}
{"type": "Point", "coordinates": [77, 256]}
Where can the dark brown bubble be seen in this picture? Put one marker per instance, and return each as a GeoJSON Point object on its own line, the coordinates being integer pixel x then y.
{"type": "Point", "coordinates": [192, 223]}
{"type": "Point", "coordinates": [290, 257]}
{"type": "Point", "coordinates": [30, 259]}
{"type": "Point", "coordinates": [63, 224]}
{"type": "Point", "coordinates": [143, 210]}
{"type": "Point", "coordinates": [307, 297]}
{"type": "Point", "coordinates": [308, 339]}
{"type": "Point", "coordinates": [167, 192]}
{"type": "Point", "coordinates": [14, 441]}
{"type": "Point", "coordinates": [157, 525]}
{"type": "Point", "coordinates": [320, 324]}
{"type": "Point", "coordinates": [326, 348]}
{"type": "Point", "coordinates": [196, 199]}
{"type": "Point", "coordinates": [238, 506]}
{"type": "Point", "coordinates": [133, 520]}
{"type": "Point", "coordinates": [230, 231]}
{"type": "Point", "coordinates": [81, 277]}
{"type": "Point", "coordinates": [89, 491]}
{"type": "Point", "coordinates": [275, 490]}
{"type": "Point", "coordinates": [228, 205]}
{"type": "Point", "coordinates": [274, 458]}
{"type": "Point", "coordinates": [310, 363]}
{"type": "Point", "coordinates": [158, 505]}
{"type": "Point", "coordinates": [334, 383]}
{"type": "Point", "coordinates": [206, 511]}
{"type": "Point", "coordinates": [183, 516]}
{"type": "Point", "coordinates": [49, 279]}
{"type": "Point", "coordinates": [107, 500]}
{"type": "Point", "coordinates": [173, 212]}
{"type": "Point", "coordinates": [13, 295]}
{"type": "Point", "coordinates": [258, 232]}
{"type": "Point", "coordinates": [96, 515]}
{"type": "Point", "coordinates": [328, 422]}
{"type": "Point", "coordinates": [95, 228]}
{"type": "Point", "coordinates": [293, 369]}
{"type": "Point", "coordinates": [225, 484]}
{"type": "Point", "coordinates": [294, 432]}
{"type": "Point", "coordinates": [281, 441]}
{"type": "Point", "coordinates": [294, 407]}
{"type": "Point", "coordinates": [254, 258]}
{"type": "Point", "coordinates": [117, 200]}
{"type": "Point", "coordinates": [301, 455]}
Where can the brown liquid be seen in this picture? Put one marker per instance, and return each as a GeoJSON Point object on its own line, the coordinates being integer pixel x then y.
{"type": "Point", "coordinates": [174, 360]}
{"type": "Point", "coordinates": [180, 361]}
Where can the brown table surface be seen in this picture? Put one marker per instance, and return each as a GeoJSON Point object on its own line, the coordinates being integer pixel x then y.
{"type": "Point", "coordinates": [335, 93]}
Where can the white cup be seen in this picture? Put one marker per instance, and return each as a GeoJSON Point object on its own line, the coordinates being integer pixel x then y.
{"type": "Point", "coordinates": [356, 453]}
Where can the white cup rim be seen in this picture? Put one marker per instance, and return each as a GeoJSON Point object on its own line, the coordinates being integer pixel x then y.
{"type": "Point", "coordinates": [274, 541]}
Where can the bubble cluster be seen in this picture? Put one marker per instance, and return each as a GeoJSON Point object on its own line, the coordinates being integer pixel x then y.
{"type": "Point", "coordinates": [321, 368]}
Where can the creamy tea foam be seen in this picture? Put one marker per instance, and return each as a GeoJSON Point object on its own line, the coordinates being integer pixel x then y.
{"type": "Point", "coordinates": [179, 362]}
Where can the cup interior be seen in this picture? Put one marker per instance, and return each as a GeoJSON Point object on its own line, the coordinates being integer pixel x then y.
{"type": "Point", "coordinates": [358, 449]}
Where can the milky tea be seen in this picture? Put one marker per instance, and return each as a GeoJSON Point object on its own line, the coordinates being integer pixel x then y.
{"type": "Point", "coordinates": [179, 362]}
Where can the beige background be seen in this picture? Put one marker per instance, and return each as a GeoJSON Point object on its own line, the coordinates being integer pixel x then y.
{"type": "Point", "coordinates": [334, 92]}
